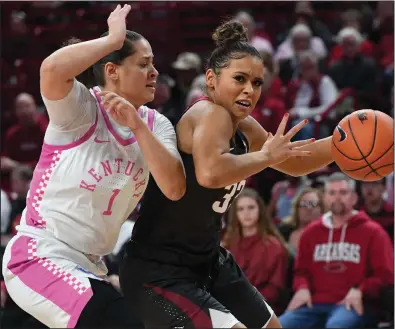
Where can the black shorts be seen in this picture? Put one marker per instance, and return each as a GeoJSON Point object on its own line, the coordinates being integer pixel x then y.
{"type": "Point", "coordinates": [107, 309]}
{"type": "Point", "coordinates": [168, 296]}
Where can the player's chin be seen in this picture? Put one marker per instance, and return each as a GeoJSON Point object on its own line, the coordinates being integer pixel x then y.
{"type": "Point", "coordinates": [242, 112]}
{"type": "Point", "coordinates": [148, 97]}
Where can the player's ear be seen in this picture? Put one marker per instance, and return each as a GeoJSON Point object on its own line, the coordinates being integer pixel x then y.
{"type": "Point", "coordinates": [111, 70]}
{"type": "Point", "coordinates": [210, 79]}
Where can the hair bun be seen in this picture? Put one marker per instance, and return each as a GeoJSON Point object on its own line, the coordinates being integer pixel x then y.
{"type": "Point", "coordinates": [230, 32]}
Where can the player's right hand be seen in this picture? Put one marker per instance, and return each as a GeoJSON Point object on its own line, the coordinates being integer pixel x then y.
{"type": "Point", "coordinates": [117, 25]}
{"type": "Point", "coordinates": [301, 297]}
{"type": "Point", "coordinates": [279, 147]}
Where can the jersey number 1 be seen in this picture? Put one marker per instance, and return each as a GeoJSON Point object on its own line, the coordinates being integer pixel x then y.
{"type": "Point", "coordinates": [223, 205]}
{"type": "Point", "coordinates": [108, 212]}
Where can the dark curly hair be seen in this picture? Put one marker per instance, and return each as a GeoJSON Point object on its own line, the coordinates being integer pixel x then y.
{"type": "Point", "coordinates": [231, 43]}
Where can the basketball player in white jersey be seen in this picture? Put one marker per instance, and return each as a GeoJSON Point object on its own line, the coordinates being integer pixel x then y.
{"type": "Point", "coordinates": [100, 146]}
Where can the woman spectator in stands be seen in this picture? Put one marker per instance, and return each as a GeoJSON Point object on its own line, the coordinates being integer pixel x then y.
{"type": "Point", "coordinates": [307, 206]}
{"type": "Point", "coordinates": [258, 247]}
{"type": "Point", "coordinates": [300, 39]}
{"type": "Point", "coordinates": [354, 70]}
{"type": "Point", "coordinates": [309, 94]}
{"type": "Point", "coordinates": [352, 18]}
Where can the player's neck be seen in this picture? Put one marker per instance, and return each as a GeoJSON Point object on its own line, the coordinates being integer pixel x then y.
{"type": "Point", "coordinates": [115, 90]}
{"type": "Point", "coordinates": [249, 231]}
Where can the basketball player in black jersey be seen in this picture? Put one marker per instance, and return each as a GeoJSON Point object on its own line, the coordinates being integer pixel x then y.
{"type": "Point", "coordinates": [175, 273]}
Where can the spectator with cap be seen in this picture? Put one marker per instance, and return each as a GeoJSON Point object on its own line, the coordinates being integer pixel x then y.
{"type": "Point", "coordinates": [300, 39]}
{"type": "Point", "coordinates": [260, 43]}
{"type": "Point", "coordinates": [355, 70]}
{"type": "Point", "coordinates": [187, 67]}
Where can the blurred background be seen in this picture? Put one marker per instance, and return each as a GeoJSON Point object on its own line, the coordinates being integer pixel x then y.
{"type": "Point", "coordinates": [323, 60]}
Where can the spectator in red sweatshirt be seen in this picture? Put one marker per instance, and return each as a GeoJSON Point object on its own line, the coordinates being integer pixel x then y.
{"type": "Point", "coordinates": [23, 141]}
{"type": "Point", "coordinates": [344, 260]}
{"type": "Point", "coordinates": [376, 207]}
{"type": "Point", "coordinates": [258, 247]}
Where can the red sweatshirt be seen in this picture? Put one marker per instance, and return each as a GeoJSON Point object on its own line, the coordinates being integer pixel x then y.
{"type": "Point", "coordinates": [265, 264]}
{"type": "Point", "coordinates": [331, 261]}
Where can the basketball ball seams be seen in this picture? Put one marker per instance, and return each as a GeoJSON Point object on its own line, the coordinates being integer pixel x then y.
{"type": "Point", "coordinates": [364, 140]}
{"type": "Point", "coordinates": [359, 149]}
{"type": "Point", "coordinates": [385, 152]}
{"type": "Point", "coordinates": [345, 155]}
{"type": "Point", "coordinates": [371, 172]}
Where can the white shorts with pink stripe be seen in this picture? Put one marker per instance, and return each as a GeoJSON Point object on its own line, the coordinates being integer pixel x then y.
{"type": "Point", "coordinates": [53, 290]}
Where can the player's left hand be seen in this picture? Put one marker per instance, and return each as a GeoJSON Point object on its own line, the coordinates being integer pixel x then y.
{"type": "Point", "coordinates": [122, 111]}
{"type": "Point", "coordinates": [353, 300]}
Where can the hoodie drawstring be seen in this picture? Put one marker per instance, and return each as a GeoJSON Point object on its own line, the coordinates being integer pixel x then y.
{"type": "Point", "coordinates": [330, 237]}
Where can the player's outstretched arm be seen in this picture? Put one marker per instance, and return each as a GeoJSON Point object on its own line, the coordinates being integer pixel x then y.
{"type": "Point", "coordinates": [296, 166]}
{"type": "Point", "coordinates": [162, 157]}
{"type": "Point", "coordinates": [60, 68]}
{"type": "Point", "coordinates": [215, 167]}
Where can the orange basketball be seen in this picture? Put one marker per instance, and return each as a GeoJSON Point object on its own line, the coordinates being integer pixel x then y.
{"type": "Point", "coordinates": [363, 145]}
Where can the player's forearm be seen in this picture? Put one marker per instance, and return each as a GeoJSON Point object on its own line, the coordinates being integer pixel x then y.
{"type": "Point", "coordinates": [68, 62]}
{"type": "Point", "coordinates": [166, 169]}
{"type": "Point", "coordinates": [300, 166]}
{"type": "Point", "coordinates": [228, 169]}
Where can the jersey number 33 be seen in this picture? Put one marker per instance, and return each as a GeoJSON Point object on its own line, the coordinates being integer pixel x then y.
{"type": "Point", "coordinates": [234, 190]}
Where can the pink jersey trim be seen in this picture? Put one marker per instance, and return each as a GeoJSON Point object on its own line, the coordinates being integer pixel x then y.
{"type": "Point", "coordinates": [83, 139]}
{"type": "Point", "coordinates": [45, 166]}
{"type": "Point", "coordinates": [48, 279]}
{"type": "Point", "coordinates": [151, 117]}
{"type": "Point", "coordinates": [120, 140]}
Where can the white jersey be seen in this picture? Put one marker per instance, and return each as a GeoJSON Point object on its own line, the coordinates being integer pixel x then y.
{"type": "Point", "coordinates": [84, 188]}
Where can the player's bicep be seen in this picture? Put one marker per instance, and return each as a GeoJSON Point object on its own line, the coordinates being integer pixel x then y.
{"type": "Point", "coordinates": [211, 134]}
{"type": "Point", "coordinates": [51, 86]}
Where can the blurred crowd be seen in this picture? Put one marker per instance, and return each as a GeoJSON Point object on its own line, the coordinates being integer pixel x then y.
{"type": "Point", "coordinates": [323, 61]}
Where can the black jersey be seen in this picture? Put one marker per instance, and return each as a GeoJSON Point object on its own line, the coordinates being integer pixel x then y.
{"type": "Point", "coordinates": [186, 231]}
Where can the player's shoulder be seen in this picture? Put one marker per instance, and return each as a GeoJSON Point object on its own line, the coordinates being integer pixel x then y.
{"type": "Point", "coordinates": [147, 112]}
{"type": "Point", "coordinates": [206, 108]}
{"type": "Point", "coordinates": [153, 118]}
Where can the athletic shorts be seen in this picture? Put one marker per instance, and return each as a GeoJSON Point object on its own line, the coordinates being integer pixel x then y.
{"type": "Point", "coordinates": [170, 296]}
{"type": "Point", "coordinates": [58, 293]}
